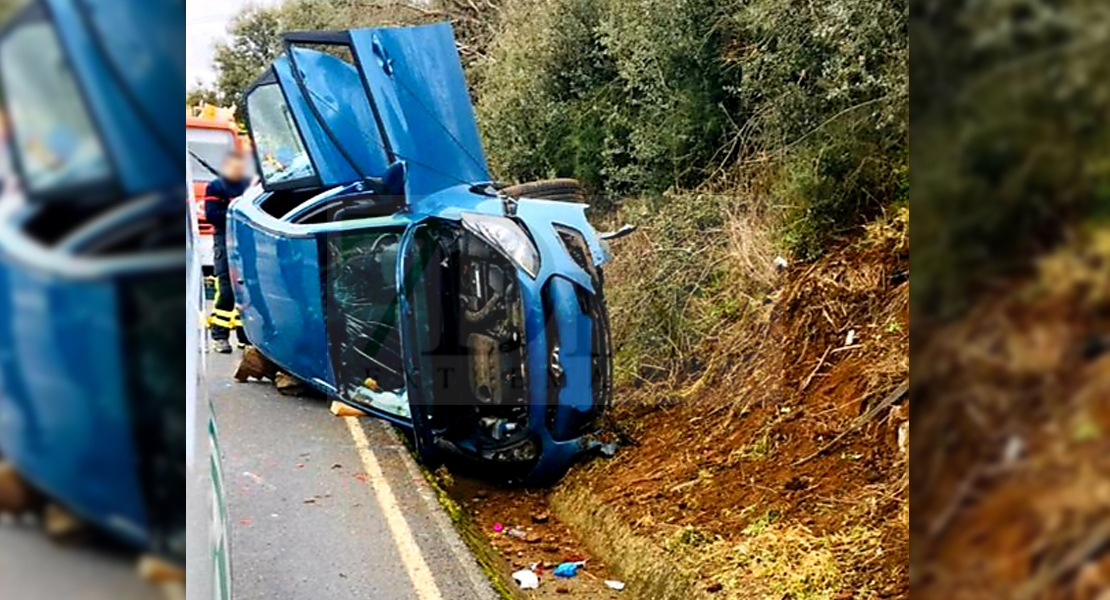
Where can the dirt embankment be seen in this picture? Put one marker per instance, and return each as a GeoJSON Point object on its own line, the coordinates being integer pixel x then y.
{"type": "Point", "coordinates": [1012, 486]}
{"type": "Point", "coordinates": [776, 469]}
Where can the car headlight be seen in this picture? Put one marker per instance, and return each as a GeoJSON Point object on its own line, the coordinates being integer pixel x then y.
{"type": "Point", "coordinates": [506, 236]}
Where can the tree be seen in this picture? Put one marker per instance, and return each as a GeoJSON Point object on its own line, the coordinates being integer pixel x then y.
{"type": "Point", "coordinates": [254, 43]}
{"type": "Point", "coordinates": [255, 33]}
{"type": "Point", "coordinates": [201, 94]}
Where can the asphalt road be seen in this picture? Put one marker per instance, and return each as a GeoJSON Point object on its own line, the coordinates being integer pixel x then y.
{"type": "Point", "coordinates": [32, 567]}
{"type": "Point", "coordinates": [324, 508]}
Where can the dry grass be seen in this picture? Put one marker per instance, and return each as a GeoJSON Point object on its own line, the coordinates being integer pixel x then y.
{"type": "Point", "coordinates": [1019, 391]}
{"type": "Point", "coordinates": [779, 560]}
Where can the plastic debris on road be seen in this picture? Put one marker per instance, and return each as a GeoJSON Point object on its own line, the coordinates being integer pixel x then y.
{"type": "Point", "coordinates": [498, 528]}
{"type": "Point", "coordinates": [614, 585]}
{"type": "Point", "coordinates": [526, 579]}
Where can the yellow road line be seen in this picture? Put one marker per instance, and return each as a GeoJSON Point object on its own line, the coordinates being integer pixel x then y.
{"type": "Point", "coordinates": [411, 557]}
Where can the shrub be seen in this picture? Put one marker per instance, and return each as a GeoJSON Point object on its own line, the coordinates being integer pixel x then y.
{"type": "Point", "coordinates": [827, 92]}
{"type": "Point", "coordinates": [626, 97]}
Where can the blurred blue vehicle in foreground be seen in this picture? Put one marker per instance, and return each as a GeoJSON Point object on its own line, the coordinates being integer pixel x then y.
{"type": "Point", "coordinates": [377, 262]}
{"type": "Point", "coordinates": [92, 263]}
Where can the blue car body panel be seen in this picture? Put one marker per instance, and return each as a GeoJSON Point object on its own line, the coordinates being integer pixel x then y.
{"type": "Point", "coordinates": [67, 406]}
{"type": "Point", "coordinates": [64, 417]}
{"type": "Point", "coordinates": [420, 111]}
{"type": "Point", "coordinates": [417, 83]}
{"type": "Point", "coordinates": [286, 320]}
{"type": "Point", "coordinates": [125, 76]}
{"type": "Point", "coordinates": [338, 95]}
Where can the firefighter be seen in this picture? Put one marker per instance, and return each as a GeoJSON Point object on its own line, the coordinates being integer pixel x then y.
{"type": "Point", "coordinates": [230, 184]}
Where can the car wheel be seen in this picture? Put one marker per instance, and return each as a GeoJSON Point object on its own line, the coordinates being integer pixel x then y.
{"type": "Point", "coordinates": [560, 190]}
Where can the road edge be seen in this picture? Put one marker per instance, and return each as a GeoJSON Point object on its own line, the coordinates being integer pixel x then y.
{"type": "Point", "coordinates": [471, 549]}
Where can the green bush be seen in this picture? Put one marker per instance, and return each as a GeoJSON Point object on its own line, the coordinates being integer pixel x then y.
{"type": "Point", "coordinates": [827, 88]}
{"type": "Point", "coordinates": [642, 97]}
{"type": "Point", "coordinates": [831, 186]}
{"type": "Point", "coordinates": [626, 97]}
{"type": "Point", "coordinates": [1011, 138]}
{"type": "Point", "coordinates": [637, 98]}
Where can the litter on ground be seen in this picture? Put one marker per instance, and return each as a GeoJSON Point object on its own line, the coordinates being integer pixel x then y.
{"type": "Point", "coordinates": [567, 569]}
{"type": "Point", "coordinates": [526, 579]}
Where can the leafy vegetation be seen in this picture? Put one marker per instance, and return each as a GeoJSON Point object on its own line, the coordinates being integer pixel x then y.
{"type": "Point", "coordinates": [626, 97]}
{"type": "Point", "coordinates": [640, 98]}
{"type": "Point", "coordinates": [637, 98]}
{"type": "Point", "coordinates": [1011, 102]}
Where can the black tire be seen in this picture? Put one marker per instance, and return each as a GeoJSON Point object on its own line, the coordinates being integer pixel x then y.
{"type": "Point", "coordinates": [559, 190]}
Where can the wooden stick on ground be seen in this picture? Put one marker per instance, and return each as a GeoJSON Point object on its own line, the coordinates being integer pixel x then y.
{"type": "Point", "coordinates": [820, 363]}
{"type": "Point", "coordinates": [287, 385]}
{"type": "Point", "coordinates": [860, 421]}
{"type": "Point", "coordinates": [16, 495]}
{"type": "Point", "coordinates": [159, 570]}
{"type": "Point", "coordinates": [169, 577]}
{"type": "Point", "coordinates": [345, 410]}
{"type": "Point", "coordinates": [61, 524]}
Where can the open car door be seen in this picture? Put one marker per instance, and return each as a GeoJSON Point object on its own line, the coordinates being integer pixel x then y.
{"type": "Point", "coordinates": [383, 116]}
{"type": "Point", "coordinates": [312, 130]}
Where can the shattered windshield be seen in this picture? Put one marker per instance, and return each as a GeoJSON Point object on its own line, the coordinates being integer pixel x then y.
{"type": "Point", "coordinates": [52, 133]}
{"type": "Point", "coordinates": [281, 154]}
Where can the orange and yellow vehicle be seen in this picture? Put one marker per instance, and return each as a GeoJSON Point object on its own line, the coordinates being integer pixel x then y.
{"type": "Point", "coordinates": [209, 139]}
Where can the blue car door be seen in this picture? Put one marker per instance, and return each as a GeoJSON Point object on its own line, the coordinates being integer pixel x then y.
{"type": "Point", "coordinates": [312, 130]}
{"type": "Point", "coordinates": [277, 278]}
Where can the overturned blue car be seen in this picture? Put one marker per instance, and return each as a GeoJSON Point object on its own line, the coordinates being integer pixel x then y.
{"type": "Point", "coordinates": [378, 263]}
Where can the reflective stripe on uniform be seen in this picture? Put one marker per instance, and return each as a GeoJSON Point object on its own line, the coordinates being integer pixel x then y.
{"type": "Point", "coordinates": [226, 323]}
{"type": "Point", "coordinates": [224, 318]}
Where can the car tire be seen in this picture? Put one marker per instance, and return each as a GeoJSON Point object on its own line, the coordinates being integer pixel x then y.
{"type": "Point", "coordinates": [559, 190]}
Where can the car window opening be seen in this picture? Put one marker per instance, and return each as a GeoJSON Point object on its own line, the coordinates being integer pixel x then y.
{"type": "Point", "coordinates": [351, 208]}
{"type": "Point", "coordinates": [53, 223]}
{"type": "Point", "coordinates": [364, 318]}
{"type": "Point", "coordinates": [282, 156]}
{"type": "Point", "coordinates": [52, 135]}
{"type": "Point", "coordinates": [282, 202]}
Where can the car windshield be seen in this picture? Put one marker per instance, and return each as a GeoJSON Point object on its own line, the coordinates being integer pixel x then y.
{"type": "Point", "coordinates": [211, 145]}
{"type": "Point", "coordinates": [53, 135]}
{"type": "Point", "coordinates": [281, 153]}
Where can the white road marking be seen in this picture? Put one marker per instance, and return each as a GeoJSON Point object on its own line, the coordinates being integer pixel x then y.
{"type": "Point", "coordinates": [413, 559]}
